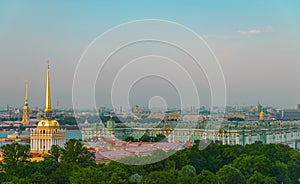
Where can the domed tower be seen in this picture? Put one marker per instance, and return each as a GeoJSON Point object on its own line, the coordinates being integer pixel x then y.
{"type": "Point", "coordinates": [261, 116]}
{"type": "Point", "coordinates": [48, 131]}
{"type": "Point", "coordinates": [110, 124]}
{"type": "Point", "coordinates": [26, 109]}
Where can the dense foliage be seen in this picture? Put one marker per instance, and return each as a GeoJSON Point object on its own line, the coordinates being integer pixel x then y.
{"type": "Point", "coordinates": [147, 138]}
{"type": "Point", "coordinates": [256, 163]}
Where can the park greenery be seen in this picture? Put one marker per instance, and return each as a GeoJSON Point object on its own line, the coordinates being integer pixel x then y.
{"type": "Point", "coordinates": [256, 163]}
{"type": "Point", "coordinates": [147, 138]}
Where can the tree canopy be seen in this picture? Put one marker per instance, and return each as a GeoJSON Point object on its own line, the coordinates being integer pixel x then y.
{"type": "Point", "coordinates": [255, 163]}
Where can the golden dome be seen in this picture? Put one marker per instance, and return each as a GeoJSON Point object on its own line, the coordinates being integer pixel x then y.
{"type": "Point", "coordinates": [262, 114]}
{"type": "Point", "coordinates": [49, 123]}
{"type": "Point", "coordinates": [168, 129]}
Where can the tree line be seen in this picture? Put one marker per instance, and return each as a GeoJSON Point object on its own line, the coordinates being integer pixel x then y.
{"type": "Point", "coordinates": [233, 164]}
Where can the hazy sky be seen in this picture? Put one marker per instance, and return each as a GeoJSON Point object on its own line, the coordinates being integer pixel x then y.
{"type": "Point", "coordinates": [257, 43]}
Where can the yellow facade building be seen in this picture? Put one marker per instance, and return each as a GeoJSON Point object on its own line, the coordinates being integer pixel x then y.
{"type": "Point", "coordinates": [48, 131]}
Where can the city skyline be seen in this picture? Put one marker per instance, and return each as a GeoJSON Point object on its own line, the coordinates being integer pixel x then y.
{"type": "Point", "coordinates": [257, 45]}
{"type": "Point", "coordinates": [149, 91]}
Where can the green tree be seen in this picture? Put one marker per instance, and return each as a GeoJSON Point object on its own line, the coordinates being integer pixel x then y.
{"type": "Point", "coordinates": [169, 164]}
{"type": "Point", "coordinates": [281, 172]}
{"type": "Point", "coordinates": [63, 172]}
{"type": "Point", "coordinates": [159, 138]}
{"type": "Point", "coordinates": [249, 164]}
{"type": "Point", "coordinates": [15, 157]}
{"type": "Point", "coordinates": [86, 175]}
{"type": "Point", "coordinates": [75, 152]}
{"type": "Point", "coordinates": [161, 177]}
{"type": "Point", "coordinates": [231, 175]}
{"type": "Point", "coordinates": [48, 165]}
{"type": "Point", "coordinates": [294, 166]}
{"type": "Point", "coordinates": [55, 152]}
{"type": "Point", "coordinates": [197, 158]}
{"type": "Point", "coordinates": [207, 177]}
{"type": "Point", "coordinates": [5, 177]}
{"type": "Point", "coordinates": [15, 153]}
{"type": "Point", "coordinates": [38, 178]}
{"type": "Point", "coordinates": [136, 178]}
{"type": "Point", "coordinates": [276, 152]}
{"type": "Point", "coordinates": [119, 176]}
{"type": "Point", "coordinates": [145, 138]}
{"type": "Point", "coordinates": [130, 139]}
{"type": "Point", "coordinates": [187, 174]}
{"type": "Point", "coordinates": [188, 170]}
{"type": "Point", "coordinates": [181, 159]}
{"type": "Point", "coordinates": [259, 178]}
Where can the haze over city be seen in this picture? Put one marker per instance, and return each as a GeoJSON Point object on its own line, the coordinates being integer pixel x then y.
{"type": "Point", "coordinates": [257, 44]}
{"type": "Point", "coordinates": [150, 91]}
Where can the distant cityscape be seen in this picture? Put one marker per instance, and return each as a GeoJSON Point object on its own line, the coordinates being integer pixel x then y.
{"type": "Point", "coordinates": [149, 92]}
{"type": "Point", "coordinates": [231, 113]}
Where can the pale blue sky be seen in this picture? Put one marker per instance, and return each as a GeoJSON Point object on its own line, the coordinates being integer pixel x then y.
{"type": "Point", "coordinates": [257, 43]}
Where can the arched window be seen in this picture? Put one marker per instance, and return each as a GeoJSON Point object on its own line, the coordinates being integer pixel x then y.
{"type": "Point", "coordinates": [44, 131]}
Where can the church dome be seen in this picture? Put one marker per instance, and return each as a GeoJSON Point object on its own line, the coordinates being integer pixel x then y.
{"type": "Point", "coordinates": [49, 123]}
{"type": "Point", "coordinates": [262, 114]}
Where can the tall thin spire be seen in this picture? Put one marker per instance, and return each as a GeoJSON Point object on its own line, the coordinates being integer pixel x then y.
{"type": "Point", "coordinates": [26, 94]}
{"type": "Point", "coordinates": [48, 107]}
{"type": "Point", "coordinates": [26, 110]}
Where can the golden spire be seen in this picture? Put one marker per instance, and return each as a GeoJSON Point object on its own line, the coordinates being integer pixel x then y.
{"type": "Point", "coordinates": [48, 108]}
{"type": "Point", "coordinates": [26, 94]}
{"type": "Point", "coordinates": [26, 110]}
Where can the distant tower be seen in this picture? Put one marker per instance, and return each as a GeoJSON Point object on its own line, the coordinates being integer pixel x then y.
{"type": "Point", "coordinates": [259, 107]}
{"type": "Point", "coordinates": [48, 130]}
{"type": "Point", "coordinates": [261, 116]}
{"type": "Point", "coordinates": [110, 125]}
{"type": "Point", "coordinates": [86, 122]}
{"type": "Point", "coordinates": [38, 115]}
{"type": "Point", "coordinates": [26, 110]}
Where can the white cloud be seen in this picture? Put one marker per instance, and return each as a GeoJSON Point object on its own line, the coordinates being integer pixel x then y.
{"type": "Point", "coordinates": [268, 29]}
{"type": "Point", "coordinates": [249, 32]}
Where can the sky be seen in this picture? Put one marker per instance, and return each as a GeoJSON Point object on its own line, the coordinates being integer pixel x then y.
{"type": "Point", "coordinates": [256, 42]}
